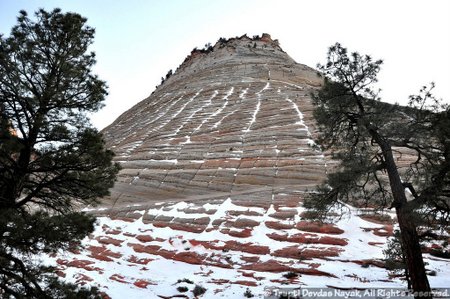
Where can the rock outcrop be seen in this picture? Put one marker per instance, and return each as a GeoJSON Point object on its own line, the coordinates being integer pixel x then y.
{"type": "Point", "coordinates": [234, 118]}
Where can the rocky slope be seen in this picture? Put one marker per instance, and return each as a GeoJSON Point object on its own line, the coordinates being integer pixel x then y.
{"type": "Point", "coordinates": [216, 163]}
{"type": "Point", "coordinates": [235, 119]}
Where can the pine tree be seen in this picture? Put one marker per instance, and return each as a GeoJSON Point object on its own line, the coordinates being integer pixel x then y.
{"type": "Point", "coordinates": [52, 161]}
{"type": "Point", "coordinates": [367, 136]}
{"type": "Point", "coordinates": [395, 259]}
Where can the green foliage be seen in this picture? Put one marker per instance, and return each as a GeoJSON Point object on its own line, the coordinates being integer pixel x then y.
{"type": "Point", "coordinates": [248, 293]}
{"type": "Point", "coordinates": [395, 259]}
{"type": "Point", "coordinates": [186, 280]}
{"type": "Point", "coordinates": [290, 275]}
{"type": "Point", "coordinates": [198, 290]}
{"type": "Point", "coordinates": [182, 289]}
{"type": "Point", "coordinates": [357, 128]}
{"type": "Point", "coordinates": [368, 137]}
{"type": "Point", "coordinates": [57, 161]}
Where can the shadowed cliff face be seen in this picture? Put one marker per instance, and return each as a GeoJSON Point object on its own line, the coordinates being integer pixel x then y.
{"type": "Point", "coordinates": [234, 119]}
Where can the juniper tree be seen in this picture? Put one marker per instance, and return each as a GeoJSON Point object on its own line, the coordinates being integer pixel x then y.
{"type": "Point", "coordinates": [368, 136]}
{"type": "Point", "coordinates": [52, 160]}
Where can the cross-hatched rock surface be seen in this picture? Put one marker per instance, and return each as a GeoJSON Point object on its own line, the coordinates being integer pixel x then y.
{"type": "Point", "coordinates": [234, 119]}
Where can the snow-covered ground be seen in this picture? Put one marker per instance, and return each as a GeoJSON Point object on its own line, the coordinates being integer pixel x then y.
{"type": "Point", "coordinates": [229, 246]}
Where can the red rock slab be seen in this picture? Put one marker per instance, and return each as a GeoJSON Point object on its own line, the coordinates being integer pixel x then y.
{"type": "Point", "coordinates": [252, 204]}
{"type": "Point", "coordinates": [193, 228]}
{"type": "Point", "coordinates": [278, 225]}
{"type": "Point", "coordinates": [218, 222]}
{"type": "Point", "coordinates": [83, 264]}
{"type": "Point", "coordinates": [250, 259]}
{"type": "Point", "coordinates": [247, 274]}
{"type": "Point", "coordinates": [129, 235]}
{"type": "Point", "coordinates": [317, 227]}
{"type": "Point", "coordinates": [141, 283]}
{"type": "Point", "coordinates": [310, 253]}
{"type": "Point", "coordinates": [207, 244]}
{"type": "Point", "coordinates": [308, 239]}
{"type": "Point", "coordinates": [189, 257]}
{"type": "Point", "coordinates": [307, 253]}
{"type": "Point", "coordinates": [377, 218]}
{"type": "Point", "coordinates": [167, 254]}
{"type": "Point", "coordinates": [385, 231]}
{"type": "Point", "coordinates": [218, 264]}
{"type": "Point", "coordinates": [60, 273]}
{"type": "Point", "coordinates": [110, 231]}
{"type": "Point", "coordinates": [219, 281]}
{"type": "Point", "coordinates": [245, 233]}
{"type": "Point", "coordinates": [314, 265]}
{"type": "Point", "coordinates": [108, 240]}
{"type": "Point", "coordinates": [144, 238]}
{"type": "Point", "coordinates": [284, 215]}
{"type": "Point", "coordinates": [118, 278]}
{"type": "Point", "coordinates": [82, 279]}
{"type": "Point", "coordinates": [327, 240]}
{"type": "Point", "coordinates": [102, 253]}
{"type": "Point", "coordinates": [268, 266]}
{"type": "Point", "coordinates": [247, 247]}
{"type": "Point", "coordinates": [160, 224]}
{"type": "Point", "coordinates": [141, 261]}
{"type": "Point", "coordinates": [152, 249]}
{"type": "Point", "coordinates": [62, 262]}
{"type": "Point", "coordinates": [244, 223]}
{"type": "Point", "coordinates": [232, 245]}
{"type": "Point", "coordinates": [244, 213]}
{"type": "Point", "coordinates": [102, 258]}
{"type": "Point", "coordinates": [113, 232]}
{"type": "Point", "coordinates": [194, 210]}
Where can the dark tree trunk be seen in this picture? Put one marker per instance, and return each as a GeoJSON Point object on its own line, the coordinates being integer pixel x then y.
{"type": "Point", "coordinates": [412, 251]}
{"type": "Point", "coordinates": [408, 231]}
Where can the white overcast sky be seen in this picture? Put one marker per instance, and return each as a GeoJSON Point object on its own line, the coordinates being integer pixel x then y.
{"type": "Point", "coordinates": [138, 41]}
